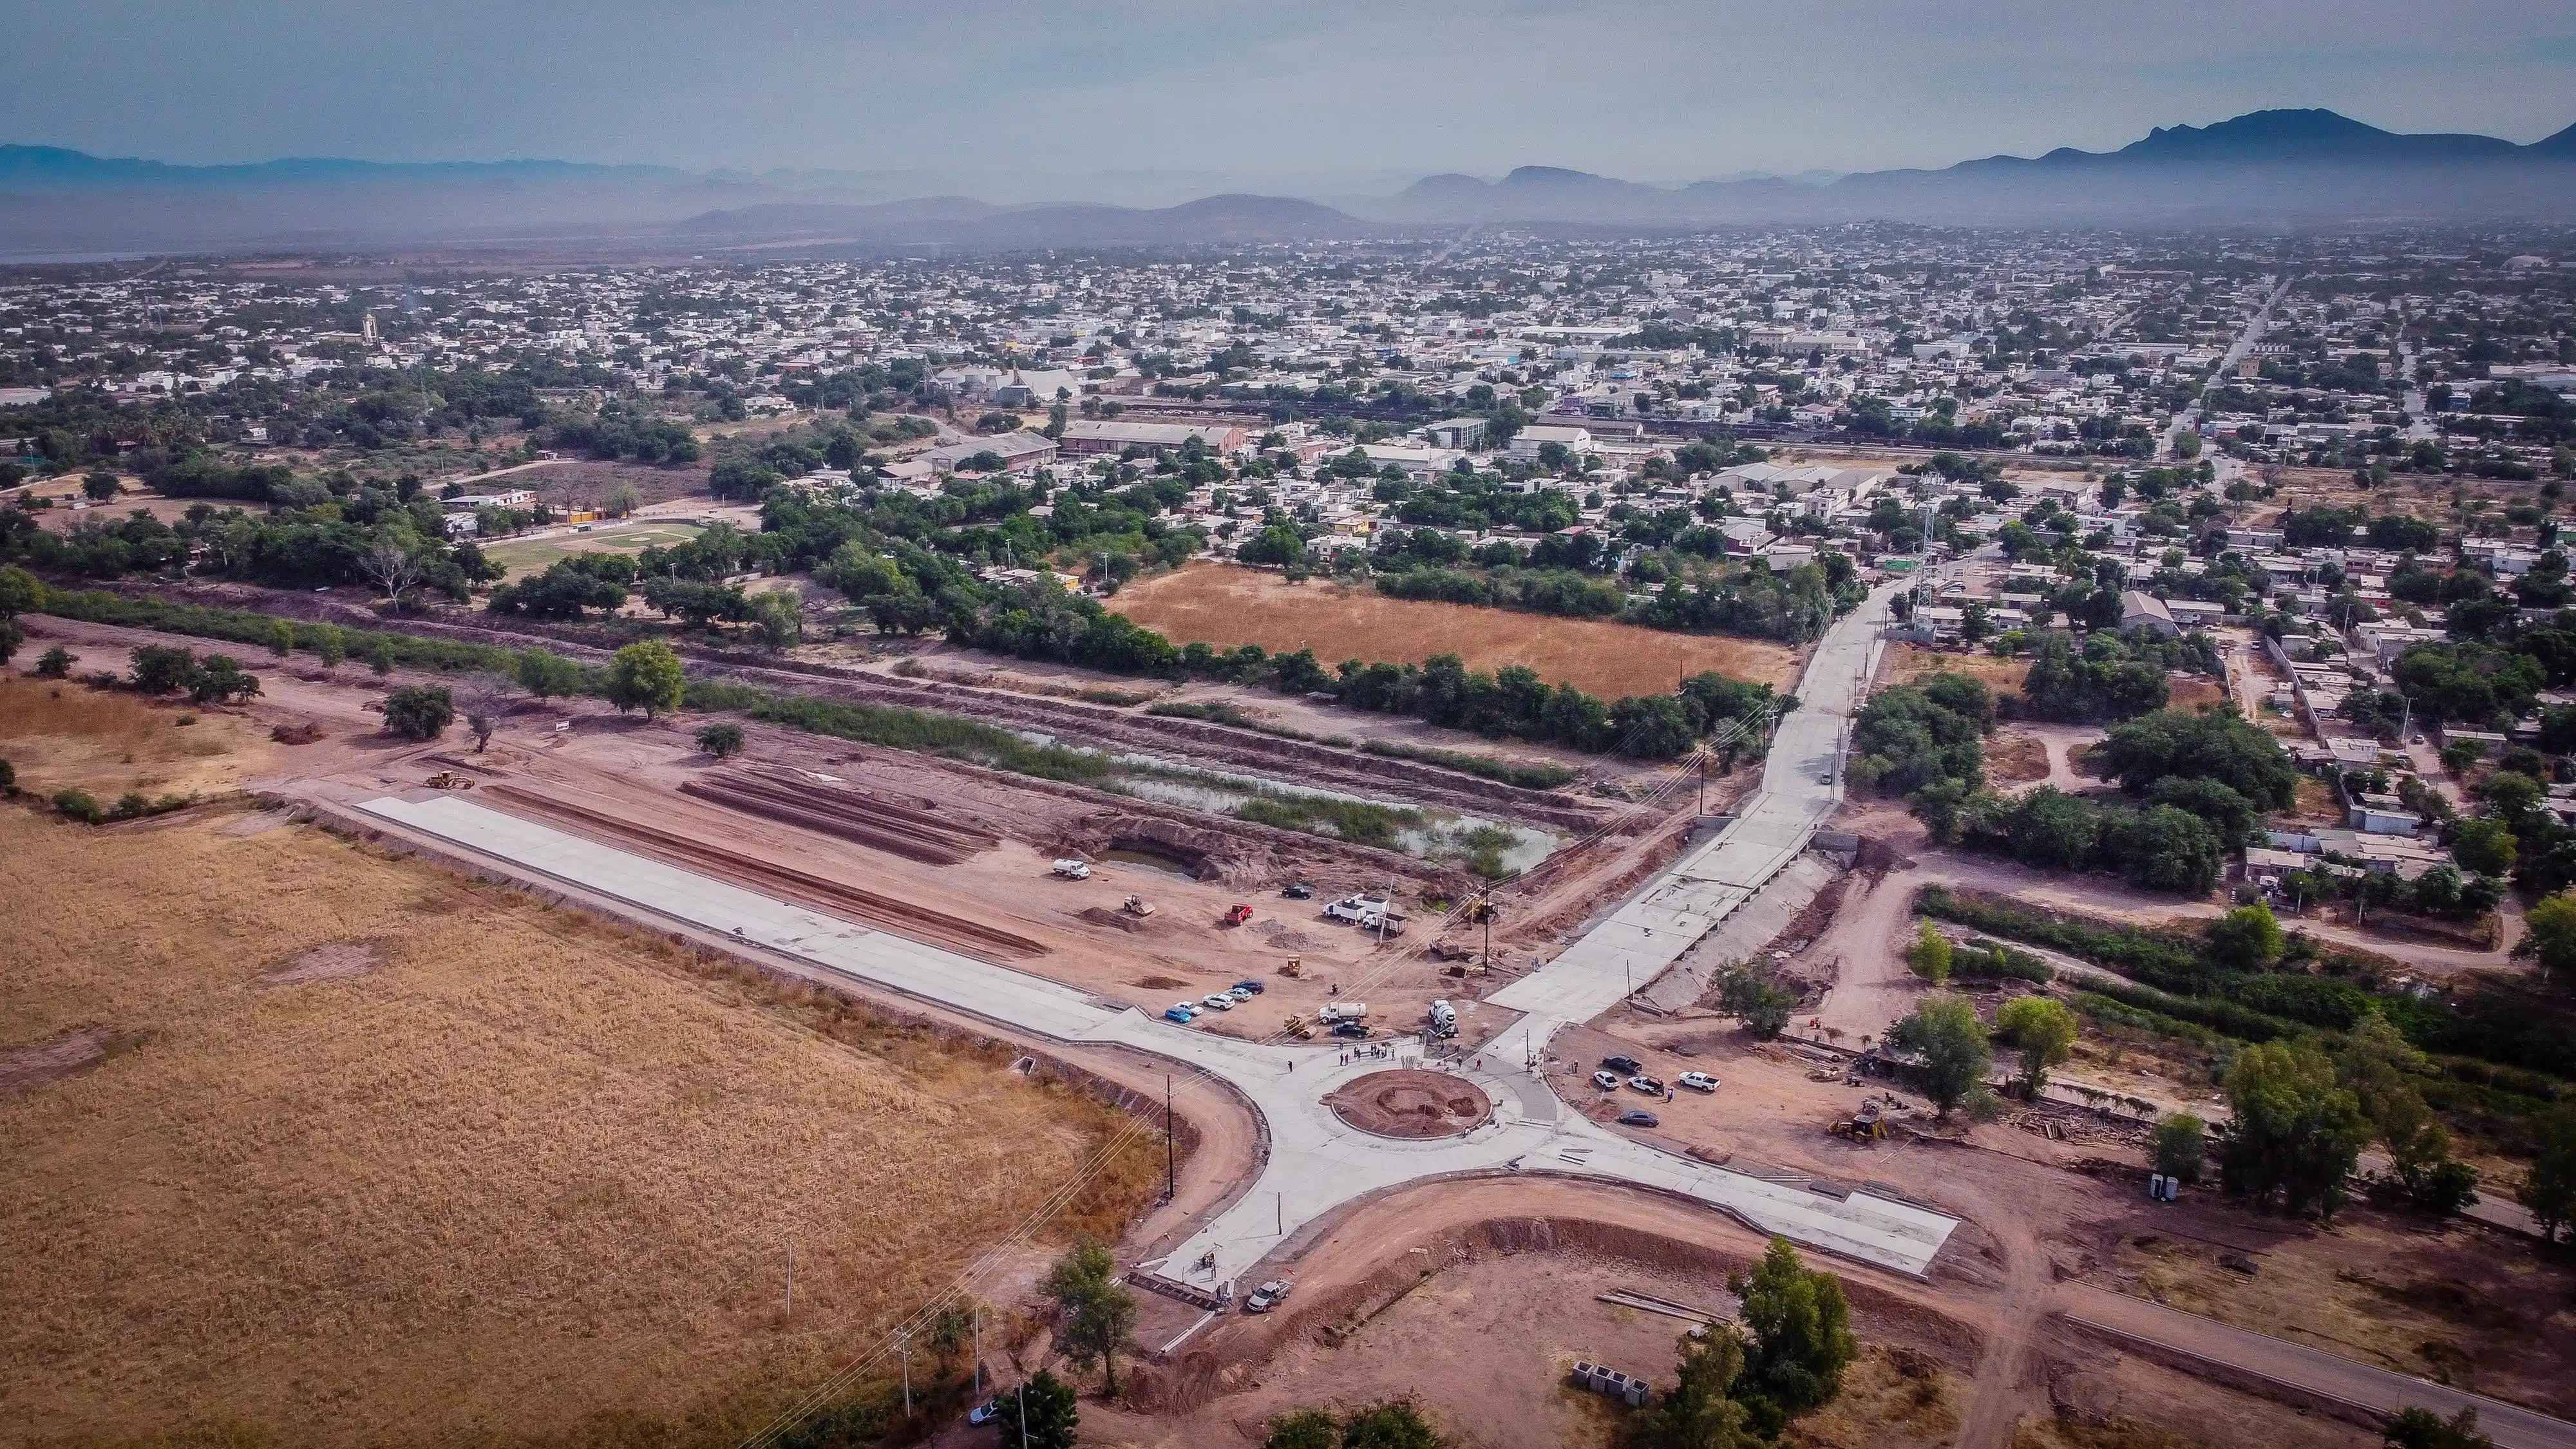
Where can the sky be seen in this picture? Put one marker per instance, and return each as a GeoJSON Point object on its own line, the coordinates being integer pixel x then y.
{"type": "Point", "coordinates": [1313, 97]}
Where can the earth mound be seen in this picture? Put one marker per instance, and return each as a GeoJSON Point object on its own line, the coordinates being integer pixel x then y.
{"type": "Point", "coordinates": [1410, 1102]}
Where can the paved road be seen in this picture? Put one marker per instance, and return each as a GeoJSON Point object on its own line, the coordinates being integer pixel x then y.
{"type": "Point", "coordinates": [1801, 785]}
{"type": "Point", "coordinates": [2366, 1386]}
{"type": "Point", "coordinates": [1315, 1164]}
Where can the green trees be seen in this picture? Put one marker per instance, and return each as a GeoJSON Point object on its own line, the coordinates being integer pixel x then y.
{"type": "Point", "coordinates": [220, 679]}
{"type": "Point", "coordinates": [2044, 1030]}
{"type": "Point", "coordinates": [2113, 676]}
{"type": "Point", "coordinates": [2296, 1132]}
{"type": "Point", "coordinates": [2180, 1145]}
{"type": "Point", "coordinates": [1041, 1412]}
{"type": "Point", "coordinates": [1094, 1313]}
{"type": "Point", "coordinates": [2484, 846]}
{"type": "Point", "coordinates": [2215, 744]}
{"type": "Point", "coordinates": [1303, 1429]}
{"type": "Point", "coordinates": [547, 675]}
{"type": "Point", "coordinates": [1930, 955]}
{"type": "Point", "coordinates": [1945, 1031]}
{"type": "Point", "coordinates": [1748, 991]}
{"type": "Point", "coordinates": [2548, 1191]}
{"type": "Point", "coordinates": [161, 669]}
{"type": "Point", "coordinates": [721, 740]}
{"type": "Point", "coordinates": [1800, 1327]}
{"type": "Point", "coordinates": [1927, 743]}
{"type": "Point", "coordinates": [2550, 935]}
{"type": "Point", "coordinates": [2247, 938]}
{"type": "Point", "coordinates": [1393, 1425]}
{"type": "Point", "coordinates": [646, 676]}
{"type": "Point", "coordinates": [419, 712]}
{"type": "Point", "coordinates": [56, 663]}
{"type": "Point", "coordinates": [777, 619]}
{"type": "Point", "coordinates": [1700, 1412]}
{"type": "Point", "coordinates": [2378, 1067]}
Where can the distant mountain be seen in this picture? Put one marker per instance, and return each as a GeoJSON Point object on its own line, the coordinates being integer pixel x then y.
{"type": "Point", "coordinates": [2298, 167]}
{"type": "Point", "coordinates": [2285, 168]}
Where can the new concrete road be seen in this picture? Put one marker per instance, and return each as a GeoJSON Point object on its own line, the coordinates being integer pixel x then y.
{"type": "Point", "coordinates": [1316, 1163]}
{"type": "Point", "coordinates": [2374, 1390]}
{"type": "Point", "coordinates": [1801, 785]}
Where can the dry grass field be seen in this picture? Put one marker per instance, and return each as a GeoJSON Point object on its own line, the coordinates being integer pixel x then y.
{"type": "Point", "coordinates": [312, 1145]}
{"type": "Point", "coordinates": [1907, 663]}
{"type": "Point", "coordinates": [1223, 605]}
{"type": "Point", "coordinates": [60, 733]}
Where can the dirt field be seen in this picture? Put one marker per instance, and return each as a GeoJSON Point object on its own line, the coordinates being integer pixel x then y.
{"type": "Point", "coordinates": [2387, 1289]}
{"type": "Point", "coordinates": [1223, 605]}
{"type": "Point", "coordinates": [586, 482]}
{"type": "Point", "coordinates": [341, 1149]}
{"type": "Point", "coordinates": [1505, 1333]}
{"type": "Point", "coordinates": [1909, 662]}
{"type": "Point", "coordinates": [60, 734]}
{"type": "Point", "coordinates": [2014, 757]}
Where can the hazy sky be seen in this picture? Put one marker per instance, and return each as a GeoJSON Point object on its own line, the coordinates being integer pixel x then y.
{"type": "Point", "coordinates": [1307, 94]}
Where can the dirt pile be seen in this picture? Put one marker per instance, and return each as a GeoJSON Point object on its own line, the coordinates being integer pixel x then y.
{"type": "Point", "coordinates": [915, 832]}
{"type": "Point", "coordinates": [1411, 1103]}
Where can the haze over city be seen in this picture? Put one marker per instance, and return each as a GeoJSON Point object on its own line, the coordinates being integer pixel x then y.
{"type": "Point", "coordinates": [1403, 726]}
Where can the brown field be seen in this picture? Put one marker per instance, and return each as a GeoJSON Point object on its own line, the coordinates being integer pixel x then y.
{"type": "Point", "coordinates": [1909, 662]}
{"type": "Point", "coordinates": [60, 733]}
{"type": "Point", "coordinates": [2014, 758]}
{"type": "Point", "coordinates": [310, 1145]}
{"type": "Point", "coordinates": [2441, 1302]}
{"type": "Point", "coordinates": [1223, 605]}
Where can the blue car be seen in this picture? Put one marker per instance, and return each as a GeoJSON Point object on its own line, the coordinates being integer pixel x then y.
{"type": "Point", "coordinates": [1181, 1014]}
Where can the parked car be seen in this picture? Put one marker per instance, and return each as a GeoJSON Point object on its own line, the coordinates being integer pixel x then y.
{"type": "Point", "coordinates": [1697, 1081]}
{"type": "Point", "coordinates": [1247, 988]}
{"type": "Point", "coordinates": [1352, 1029]}
{"type": "Point", "coordinates": [1298, 892]}
{"type": "Point", "coordinates": [1606, 1081]}
{"type": "Point", "coordinates": [1268, 1296]}
{"type": "Point", "coordinates": [1646, 1084]}
{"type": "Point", "coordinates": [1624, 1066]}
{"type": "Point", "coordinates": [1238, 993]}
{"type": "Point", "coordinates": [1182, 1012]}
{"type": "Point", "coordinates": [1218, 1001]}
{"type": "Point", "coordinates": [1640, 1117]}
{"type": "Point", "coordinates": [986, 1412]}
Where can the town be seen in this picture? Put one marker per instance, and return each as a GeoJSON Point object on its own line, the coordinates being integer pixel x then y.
{"type": "Point", "coordinates": [1226, 787]}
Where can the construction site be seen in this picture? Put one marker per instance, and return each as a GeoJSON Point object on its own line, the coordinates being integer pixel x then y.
{"type": "Point", "coordinates": [1326, 1123]}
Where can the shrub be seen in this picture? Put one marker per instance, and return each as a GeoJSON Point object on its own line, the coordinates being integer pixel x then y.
{"type": "Point", "coordinates": [56, 663]}
{"type": "Point", "coordinates": [80, 805]}
{"type": "Point", "coordinates": [419, 712]}
{"type": "Point", "coordinates": [721, 740]}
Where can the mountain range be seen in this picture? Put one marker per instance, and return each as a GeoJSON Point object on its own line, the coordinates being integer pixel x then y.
{"type": "Point", "coordinates": [2267, 168]}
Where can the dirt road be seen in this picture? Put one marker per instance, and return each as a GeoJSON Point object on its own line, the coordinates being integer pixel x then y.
{"type": "Point", "coordinates": [2129, 1320]}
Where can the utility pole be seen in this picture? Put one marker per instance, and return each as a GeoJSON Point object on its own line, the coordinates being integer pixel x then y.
{"type": "Point", "coordinates": [1171, 1162]}
{"type": "Point", "coordinates": [979, 1350]}
{"type": "Point", "coordinates": [1024, 1414]}
{"type": "Point", "coordinates": [903, 1351]}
